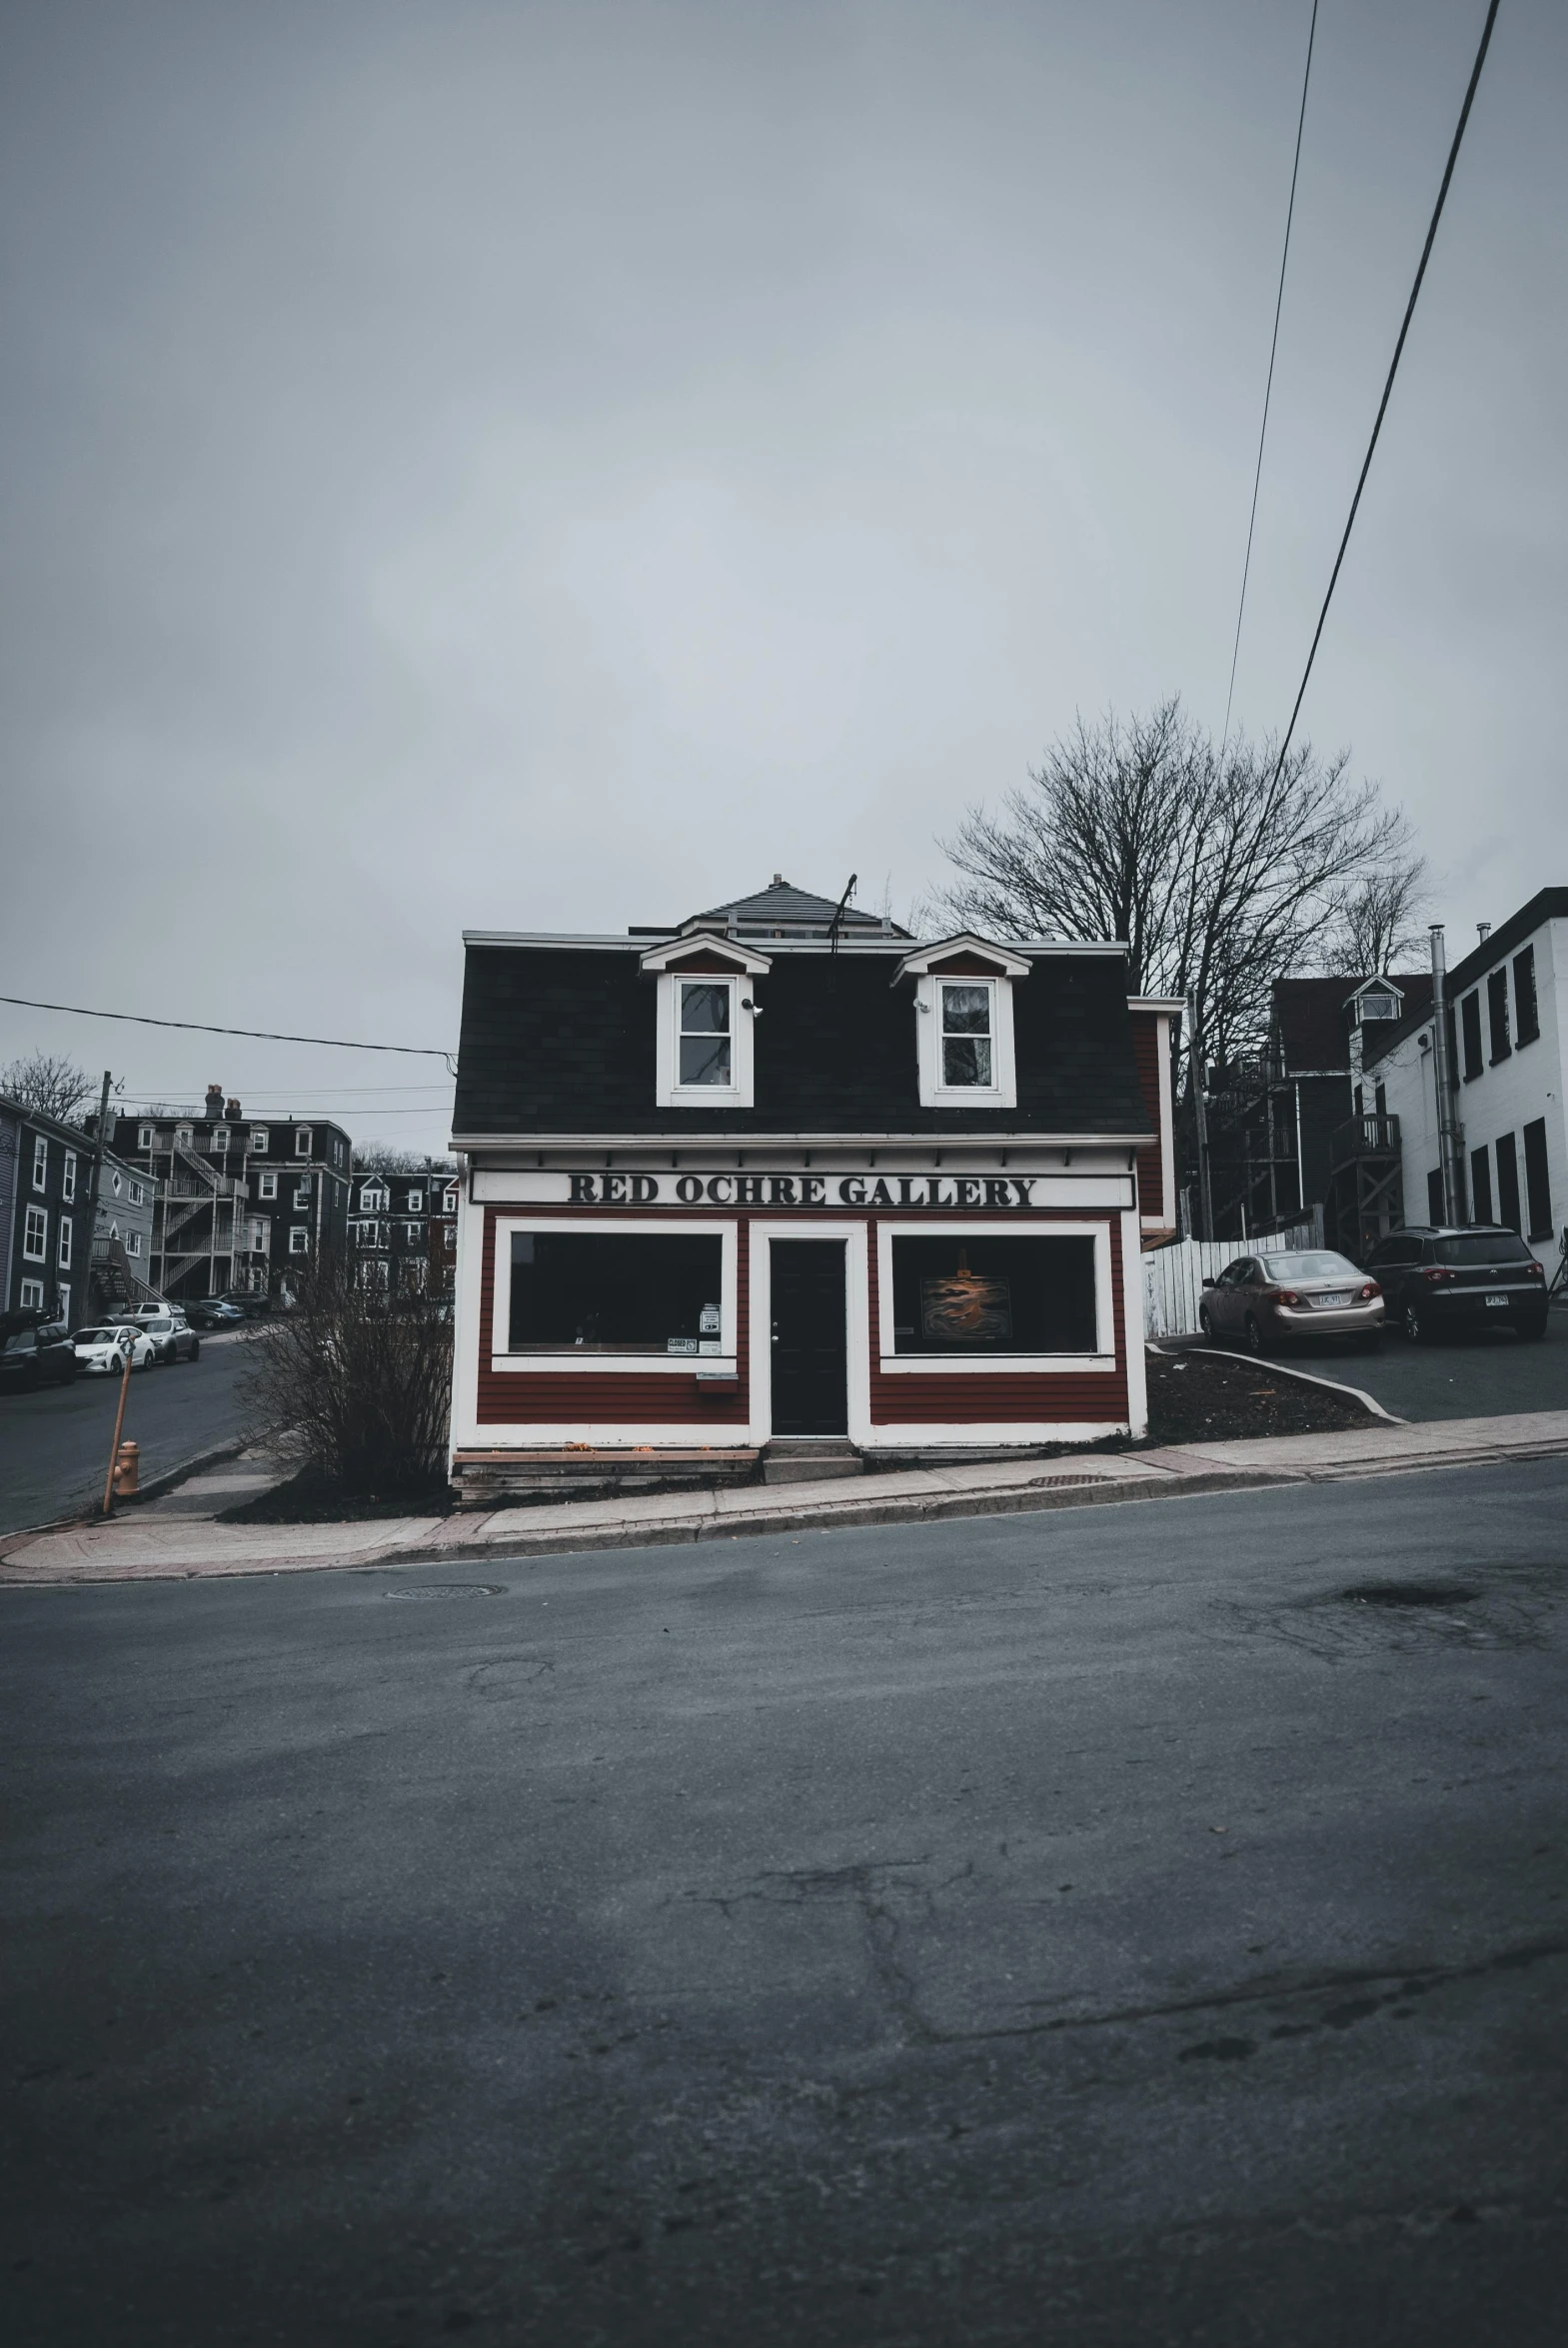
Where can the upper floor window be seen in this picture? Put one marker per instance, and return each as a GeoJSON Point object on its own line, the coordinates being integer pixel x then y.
{"type": "Point", "coordinates": [704, 1052]}
{"type": "Point", "coordinates": [411, 1233]}
{"type": "Point", "coordinates": [258, 1140]}
{"type": "Point", "coordinates": [301, 1141]}
{"type": "Point", "coordinates": [144, 1136]}
{"type": "Point", "coordinates": [35, 1235]}
{"type": "Point", "coordinates": [963, 1023]}
{"type": "Point", "coordinates": [267, 1185]}
{"type": "Point", "coordinates": [299, 1238]}
{"type": "Point", "coordinates": [220, 1136]}
{"type": "Point", "coordinates": [967, 1018]}
{"type": "Point", "coordinates": [40, 1162]}
{"type": "Point", "coordinates": [68, 1178]}
{"type": "Point", "coordinates": [63, 1251]}
{"type": "Point", "coordinates": [415, 1202]}
{"type": "Point", "coordinates": [302, 1190]}
{"type": "Point", "coordinates": [1497, 1012]}
{"type": "Point", "coordinates": [375, 1198]}
{"type": "Point", "coordinates": [138, 1193]}
{"type": "Point", "coordinates": [183, 1137]}
{"type": "Point", "coordinates": [706, 1045]}
{"type": "Point", "coordinates": [1528, 1011]}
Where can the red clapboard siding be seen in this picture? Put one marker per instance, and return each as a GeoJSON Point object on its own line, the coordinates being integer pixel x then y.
{"type": "Point", "coordinates": [1152, 1084]}
{"type": "Point", "coordinates": [993, 1397]}
{"type": "Point", "coordinates": [533, 1397]}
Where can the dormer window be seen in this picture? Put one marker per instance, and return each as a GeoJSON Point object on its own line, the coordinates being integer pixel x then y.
{"type": "Point", "coordinates": [706, 1042]}
{"type": "Point", "coordinates": [968, 1018]}
{"type": "Point", "coordinates": [963, 1021]}
{"type": "Point", "coordinates": [706, 1015]}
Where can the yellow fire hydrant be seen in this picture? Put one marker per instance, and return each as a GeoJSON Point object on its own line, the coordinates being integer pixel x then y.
{"type": "Point", "coordinates": [127, 1463]}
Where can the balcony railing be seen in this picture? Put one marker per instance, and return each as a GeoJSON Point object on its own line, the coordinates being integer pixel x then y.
{"type": "Point", "coordinates": [1364, 1137]}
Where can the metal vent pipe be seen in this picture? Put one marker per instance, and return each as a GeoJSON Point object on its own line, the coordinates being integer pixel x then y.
{"type": "Point", "coordinates": [1443, 1076]}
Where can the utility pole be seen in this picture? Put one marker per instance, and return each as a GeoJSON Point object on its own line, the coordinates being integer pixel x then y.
{"type": "Point", "coordinates": [1200, 1120]}
{"type": "Point", "coordinates": [1447, 1130]}
{"type": "Point", "coordinates": [94, 1184]}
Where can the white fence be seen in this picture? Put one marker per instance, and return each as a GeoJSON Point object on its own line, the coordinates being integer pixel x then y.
{"type": "Point", "coordinates": [1174, 1284]}
{"type": "Point", "coordinates": [1174, 1276]}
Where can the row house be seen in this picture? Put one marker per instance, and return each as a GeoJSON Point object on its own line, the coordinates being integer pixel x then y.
{"type": "Point", "coordinates": [403, 1230]}
{"type": "Point", "coordinates": [47, 1262]}
{"type": "Point", "coordinates": [782, 1182]}
{"type": "Point", "coordinates": [1507, 1039]}
{"type": "Point", "coordinates": [241, 1197]}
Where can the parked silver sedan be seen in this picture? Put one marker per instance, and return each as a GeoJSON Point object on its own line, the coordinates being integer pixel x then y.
{"type": "Point", "coordinates": [1263, 1300]}
{"type": "Point", "coordinates": [173, 1339]}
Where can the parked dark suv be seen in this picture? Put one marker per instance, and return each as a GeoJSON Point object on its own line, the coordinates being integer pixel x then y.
{"type": "Point", "coordinates": [1439, 1280]}
{"type": "Point", "coordinates": [36, 1356]}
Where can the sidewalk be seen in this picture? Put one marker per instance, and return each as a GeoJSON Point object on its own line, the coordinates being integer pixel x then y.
{"type": "Point", "coordinates": [170, 1542]}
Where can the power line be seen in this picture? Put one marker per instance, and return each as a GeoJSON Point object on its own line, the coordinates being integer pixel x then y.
{"type": "Point", "coordinates": [204, 1027]}
{"type": "Point", "coordinates": [1280, 302]}
{"type": "Point", "coordinates": [1382, 409]}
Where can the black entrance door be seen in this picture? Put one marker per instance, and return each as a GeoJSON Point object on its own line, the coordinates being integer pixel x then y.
{"type": "Point", "coordinates": [810, 1368]}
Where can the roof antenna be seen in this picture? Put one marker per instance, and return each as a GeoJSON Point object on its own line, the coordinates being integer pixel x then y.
{"type": "Point", "coordinates": [833, 927]}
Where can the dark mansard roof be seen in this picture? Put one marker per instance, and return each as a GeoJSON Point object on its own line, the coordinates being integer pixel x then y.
{"type": "Point", "coordinates": [781, 910]}
{"type": "Point", "coordinates": [559, 1040]}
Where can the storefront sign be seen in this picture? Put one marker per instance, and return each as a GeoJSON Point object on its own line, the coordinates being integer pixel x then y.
{"type": "Point", "coordinates": [799, 1190]}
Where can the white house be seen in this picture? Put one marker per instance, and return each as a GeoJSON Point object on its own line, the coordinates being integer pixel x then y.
{"type": "Point", "coordinates": [1508, 1035]}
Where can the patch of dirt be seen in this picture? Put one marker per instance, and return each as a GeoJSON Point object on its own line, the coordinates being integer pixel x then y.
{"type": "Point", "coordinates": [313, 1498]}
{"type": "Point", "coordinates": [1196, 1397]}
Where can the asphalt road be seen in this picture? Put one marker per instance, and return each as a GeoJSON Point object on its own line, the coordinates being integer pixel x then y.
{"type": "Point", "coordinates": [1461, 1377]}
{"type": "Point", "coordinates": [1075, 1928]}
{"type": "Point", "coordinates": [54, 1445]}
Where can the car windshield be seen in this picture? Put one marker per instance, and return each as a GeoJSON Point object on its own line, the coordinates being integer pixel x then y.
{"type": "Point", "coordinates": [159, 1327]}
{"type": "Point", "coordinates": [1322, 1266]}
{"type": "Point", "coordinates": [94, 1337]}
{"type": "Point", "coordinates": [1482, 1247]}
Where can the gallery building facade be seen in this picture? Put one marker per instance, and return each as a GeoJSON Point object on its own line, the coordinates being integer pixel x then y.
{"type": "Point", "coordinates": [781, 1175]}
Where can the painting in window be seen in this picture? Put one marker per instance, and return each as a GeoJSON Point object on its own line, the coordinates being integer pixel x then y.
{"type": "Point", "coordinates": [977, 1295]}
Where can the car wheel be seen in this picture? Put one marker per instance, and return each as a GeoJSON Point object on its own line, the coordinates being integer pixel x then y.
{"type": "Point", "coordinates": [116, 1364]}
{"type": "Point", "coordinates": [1414, 1326]}
{"type": "Point", "coordinates": [195, 1354]}
{"type": "Point", "coordinates": [68, 1375]}
{"type": "Point", "coordinates": [1254, 1335]}
{"type": "Point", "coordinates": [1206, 1324]}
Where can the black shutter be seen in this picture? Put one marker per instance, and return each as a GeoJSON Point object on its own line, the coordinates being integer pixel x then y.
{"type": "Point", "coordinates": [1481, 1182]}
{"type": "Point", "coordinates": [1434, 1195]}
{"type": "Point", "coordinates": [1508, 1182]}
{"type": "Point", "coordinates": [1470, 1019]}
{"type": "Point", "coordinates": [1537, 1182]}
{"type": "Point", "coordinates": [1497, 1012]}
{"type": "Point", "coordinates": [1527, 1017]}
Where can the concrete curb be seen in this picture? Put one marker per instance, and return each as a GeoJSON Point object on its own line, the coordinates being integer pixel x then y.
{"type": "Point", "coordinates": [1331, 1385]}
{"type": "Point", "coordinates": [153, 1490]}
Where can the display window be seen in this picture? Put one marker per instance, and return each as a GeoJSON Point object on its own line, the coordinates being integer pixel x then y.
{"type": "Point", "coordinates": [975, 1296]}
{"type": "Point", "coordinates": [656, 1293]}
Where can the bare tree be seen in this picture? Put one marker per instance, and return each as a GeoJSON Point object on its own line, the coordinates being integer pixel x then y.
{"type": "Point", "coordinates": [1220, 878]}
{"type": "Point", "coordinates": [1376, 921]}
{"type": "Point", "coordinates": [384, 1158]}
{"type": "Point", "coordinates": [48, 1085]}
{"type": "Point", "coordinates": [355, 1381]}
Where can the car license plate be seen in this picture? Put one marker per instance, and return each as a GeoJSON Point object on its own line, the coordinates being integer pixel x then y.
{"type": "Point", "coordinates": [1332, 1303]}
{"type": "Point", "coordinates": [1497, 1299]}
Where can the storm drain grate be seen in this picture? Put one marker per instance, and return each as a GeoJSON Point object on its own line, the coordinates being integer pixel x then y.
{"type": "Point", "coordinates": [448, 1590]}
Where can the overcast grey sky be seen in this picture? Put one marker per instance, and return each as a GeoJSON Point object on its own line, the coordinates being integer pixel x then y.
{"type": "Point", "coordinates": [550, 466]}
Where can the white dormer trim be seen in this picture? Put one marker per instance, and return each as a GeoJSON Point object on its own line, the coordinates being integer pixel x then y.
{"type": "Point", "coordinates": [740, 1092]}
{"type": "Point", "coordinates": [740, 958]}
{"type": "Point", "coordinates": [918, 964]}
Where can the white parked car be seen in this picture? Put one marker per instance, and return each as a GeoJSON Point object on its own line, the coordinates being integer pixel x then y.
{"type": "Point", "coordinates": [105, 1348]}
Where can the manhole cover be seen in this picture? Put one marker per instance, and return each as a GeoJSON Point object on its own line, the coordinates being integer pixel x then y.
{"type": "Point", "coordinates": [448, 1590]}
{"type": "Point", "coordinates": [1410, 1594]}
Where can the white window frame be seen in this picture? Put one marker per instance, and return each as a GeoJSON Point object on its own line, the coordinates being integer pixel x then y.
{"type": "Point", "coordinates": [144, 1136]}
{"type": "Point", "coordinates": [63, 1295]}
{"type": "Point", "coordinates": [415, 1202]}
{"type": "Point", "coordinates": [31, 1292]}
{"type": "Point", "coordinates": [68, 1178]}
{"type": "Point", "coordinates": [1005, 1365]}
{"type": "Point", "coordinates": [651, 1365]}
{"type": "Point", "coordinates": [260, 1140]}
{"type": "Point", "coordinates": [302, 1190]}
{"type": "Point", "coordinates": [304, 1140]}
{"type": "Point", "coordinates": [40, 1162]}
{"type": "Point", "coordinates": [739, 1092]}
{"type": "Point", "coordinates": [412, 1233]}
{"type": "Point", "coordinates": [375, 1198]}
{"type": "Point", "coordinates": [220, 1136]}
{"type": "Point", "coordinates": [185, 1136]}
{"type": "Point", "coordinates": [267, 1184]}
{"type": "Point", "coordinates": [133, 1242]}
{"type": "Point", "coordinates": [62, 1250]}
{"type": "Point", "coordinates": [35, 1235]}
{"type": "Point", "coordinates": [1002, 1090]}
{"type": "Point", "coordinates": [299, 1238]}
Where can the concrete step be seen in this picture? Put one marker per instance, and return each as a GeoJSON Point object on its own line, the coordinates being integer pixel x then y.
{"type": "Point", "coordinates": [810, 1460]}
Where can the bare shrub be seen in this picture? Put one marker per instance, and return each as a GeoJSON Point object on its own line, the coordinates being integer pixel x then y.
{"type": "Point", "coordinates": [353, 1383]}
